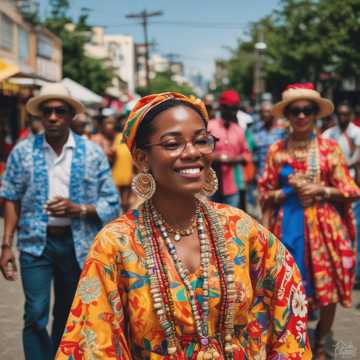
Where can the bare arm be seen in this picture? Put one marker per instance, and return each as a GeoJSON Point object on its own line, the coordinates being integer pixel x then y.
{"type": "Point", "coordinates": [7, 259]}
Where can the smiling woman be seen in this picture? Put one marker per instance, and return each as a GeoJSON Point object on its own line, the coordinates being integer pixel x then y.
{"type": "Point", "coordinates": [182, 277]}
{"type": "Point", "coordinates": [306, 192]}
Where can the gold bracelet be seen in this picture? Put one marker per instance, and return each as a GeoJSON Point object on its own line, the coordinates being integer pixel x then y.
{"type": "Point", "coordinates": [277, 195]}
{"type": "Point", "coordinates": [328, 193]}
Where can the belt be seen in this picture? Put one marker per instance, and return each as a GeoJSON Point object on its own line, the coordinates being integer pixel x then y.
{"type": "Point", "coordinates": [58, 230]}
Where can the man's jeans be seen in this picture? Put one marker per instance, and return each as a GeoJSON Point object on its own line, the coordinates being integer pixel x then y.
{"type": "Point", "coordinates": [57, 263]}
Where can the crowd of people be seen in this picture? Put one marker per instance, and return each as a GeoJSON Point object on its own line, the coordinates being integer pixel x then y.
{"type": "Point", "coordinates": [184, 272]}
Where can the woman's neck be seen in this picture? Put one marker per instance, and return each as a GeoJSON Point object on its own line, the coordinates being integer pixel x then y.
{"type": "Point", "coordinates": [177, 210]}
{"type": "Point", "coordinates": [301, 136]}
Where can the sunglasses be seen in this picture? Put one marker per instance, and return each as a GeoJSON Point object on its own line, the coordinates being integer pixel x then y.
{"type": "Point", "coordinates": [58, 110]}
{"type": "Point", "coordinates": [343, 113]}
{"type": "Point", "coordinates": [307, 110]}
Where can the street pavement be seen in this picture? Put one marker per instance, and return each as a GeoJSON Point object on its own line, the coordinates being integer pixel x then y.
{"type": "Point", "coordinates": [345, 343]}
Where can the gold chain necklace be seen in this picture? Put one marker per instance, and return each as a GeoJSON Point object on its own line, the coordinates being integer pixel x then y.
{"type": "Point", "coordinates": [299, 149]}
{"type": "Point", "coordinates": [179, 233]}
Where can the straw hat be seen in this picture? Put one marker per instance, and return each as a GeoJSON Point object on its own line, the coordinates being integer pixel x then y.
{"type": "Point", "coordinates": [53, 91]}
{"type": "Point", "coordinates": [305, 91]}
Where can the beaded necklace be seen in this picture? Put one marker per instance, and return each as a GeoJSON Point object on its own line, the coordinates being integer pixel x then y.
{"type": "Point", "coordinates": [309, 152]}
{"type": "Point", "coordinates": [151, 227]}
{"type": "Point", "coordinates": [178, 233]}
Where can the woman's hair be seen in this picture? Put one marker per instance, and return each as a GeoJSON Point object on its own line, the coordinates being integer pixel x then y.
{"type": "Point", "coordinates": [313, 104]}
{"type": "Point", "coordinates": [146, 128]}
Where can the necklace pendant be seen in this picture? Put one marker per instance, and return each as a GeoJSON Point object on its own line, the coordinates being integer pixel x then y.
{"type": "Point", "coordinates": [177, 237]}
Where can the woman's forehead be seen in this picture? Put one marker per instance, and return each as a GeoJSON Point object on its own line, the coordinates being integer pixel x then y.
{"type": "Point", "coordinates": [180, 119]}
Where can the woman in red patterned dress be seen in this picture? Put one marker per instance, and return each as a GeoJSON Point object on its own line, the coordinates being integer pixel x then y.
{"type": "Point", "coordinates": [306, 193]}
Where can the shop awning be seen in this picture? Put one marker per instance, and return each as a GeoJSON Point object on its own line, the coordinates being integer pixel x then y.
{"type": "Point", "coordinates": [27, 81]}
{"type": "Point", "coordinates": [82, 93]}
{"type": "Point", "coordinates": [7, 69]}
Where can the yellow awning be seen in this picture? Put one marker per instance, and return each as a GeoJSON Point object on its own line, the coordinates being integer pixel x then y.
{"type": "Point", "coordinates": [7, 69]}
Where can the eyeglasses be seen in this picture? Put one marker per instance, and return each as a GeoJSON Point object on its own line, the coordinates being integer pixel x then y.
{"type": "Point", "coordinates": [205, 144]}
{"type": "Point", "coordinates": [58, 110]}
{"type": "Point", "coordinates": [307, 111]}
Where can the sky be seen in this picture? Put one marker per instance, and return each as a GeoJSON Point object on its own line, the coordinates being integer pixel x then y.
{"type": "Point", "coordinates": [199, 31]}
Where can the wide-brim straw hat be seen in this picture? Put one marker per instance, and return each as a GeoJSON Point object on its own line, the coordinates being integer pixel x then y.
{"type": "Point", "coordinates": [303, 92]}
{"type": "Point", "coordinates": [53, 91]}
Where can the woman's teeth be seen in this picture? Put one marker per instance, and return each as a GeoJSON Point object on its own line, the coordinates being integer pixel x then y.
{"type": "Point", "coordinates": [190, 171]}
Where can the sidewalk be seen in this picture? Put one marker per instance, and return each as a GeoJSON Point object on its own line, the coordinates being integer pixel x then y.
{"type": "Point", "coordinates": [346, 329]}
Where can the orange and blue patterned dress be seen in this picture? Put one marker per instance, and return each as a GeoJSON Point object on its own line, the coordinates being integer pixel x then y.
{"type": "Point", "coordinates": [321, 237]}
{"type": "Point", "coordinates": [113, 317]}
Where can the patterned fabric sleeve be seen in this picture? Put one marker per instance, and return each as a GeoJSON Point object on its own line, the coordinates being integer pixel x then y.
{"type": "Point", "coordinates": [108, 203]}
{"type": "Point", "coordinates": [96, 325]}
{"type": "Point", "coordinates": [340, 176]}
{"type": "Point", "coordinates": [13, 182]}
{"type": "Point", "coordinates": [279, 310]}
{"type": "Point", "coordinates": [269, 179]}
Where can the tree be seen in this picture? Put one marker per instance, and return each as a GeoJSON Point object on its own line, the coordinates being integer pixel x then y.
{"type": "Point", "coordinates": [77, 65]}
{"type": "Point", "coordinates": [307, 40]}
{"type": "Point", "coordinates": [162, 82]}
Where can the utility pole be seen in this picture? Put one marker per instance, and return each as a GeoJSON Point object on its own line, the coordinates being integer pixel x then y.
{"type": "Point", "coordinates": [144, 16]}
{"type": "Point", "coordinates": [259, 81]}
{"type": "Point", "coordinates": [172, 57]}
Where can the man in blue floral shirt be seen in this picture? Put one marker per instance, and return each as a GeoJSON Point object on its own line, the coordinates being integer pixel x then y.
{"type": "Point", "coordinates": [58, 193]}
{"type": "Point", "coordinates": [266, 131]}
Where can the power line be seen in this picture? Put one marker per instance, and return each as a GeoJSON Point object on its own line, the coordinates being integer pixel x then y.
{"type": "Point", "coordinates": [190, 24]}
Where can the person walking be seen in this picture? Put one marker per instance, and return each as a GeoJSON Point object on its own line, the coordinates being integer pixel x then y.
{"type": "Point", "coordinates": [182, 277]}
{"type": "Point", "coordinates": [58, 193]}
{"type": "Point", "coordinates": [106, 136]}
{"type": "Point", "coordinates": [306, 192]}
{"type": "Point", "coordinates": [267, 132]}
{"type": "Point", "coordinates": [231, 151]}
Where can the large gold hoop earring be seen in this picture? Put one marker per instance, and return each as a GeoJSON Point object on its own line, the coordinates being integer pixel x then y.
{"type": "Point", "coordinates": [143, 185]}
{"type": "Point", "coordinates": [211, 183]}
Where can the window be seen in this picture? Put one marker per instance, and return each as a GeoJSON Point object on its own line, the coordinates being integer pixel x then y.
{"type": "Point", "coordinates": [6, 32]}
{"type": "Point", "coordinates": [44, 47]}
{"type": "Point", "coordinates": [23, 46]}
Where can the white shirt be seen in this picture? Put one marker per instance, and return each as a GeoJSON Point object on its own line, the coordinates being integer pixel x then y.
{"type": "Point", "coordinates": [347, 140]}
{"type": "Point", "coordinates": [59, 170]}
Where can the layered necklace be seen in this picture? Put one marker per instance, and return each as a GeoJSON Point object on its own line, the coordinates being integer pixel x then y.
{"type": "Point", "coordinates": [177, 232]}
{"type": "Point", "coordinates": [152, 227]}
{"type": "Point", "coordinates": [307, 150]}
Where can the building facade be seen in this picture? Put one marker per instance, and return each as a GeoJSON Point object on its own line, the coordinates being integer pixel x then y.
{"type": "Point", "coordinates": [29, 56]}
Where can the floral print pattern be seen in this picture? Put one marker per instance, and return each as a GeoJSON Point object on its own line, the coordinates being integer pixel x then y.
{"type": "Point", "coordinates": [329, 227]}
{"type": "Point", "coordinates": [269, 321]}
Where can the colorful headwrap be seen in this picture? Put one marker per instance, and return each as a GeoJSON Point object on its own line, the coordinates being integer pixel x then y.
{"type": "Point", "coordinates": [145, 104]}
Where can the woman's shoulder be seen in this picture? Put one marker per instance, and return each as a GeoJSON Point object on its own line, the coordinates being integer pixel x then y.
{"type": "Point", "coordinates": [326, 141]}
{"type": "Point", "coordinates": [328, 146]}
{"type": "Point", "coordinates": [236, 220]}
{"type": "Point", "coordinates": [117, 236]}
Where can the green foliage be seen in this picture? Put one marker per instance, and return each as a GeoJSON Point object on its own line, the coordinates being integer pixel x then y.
{"type": "Point", "coordinates": [162, 83]}
{"type": "Point", "coordinates": [307, 40]}
{"type": "Point", "coordinates": [78, 66]}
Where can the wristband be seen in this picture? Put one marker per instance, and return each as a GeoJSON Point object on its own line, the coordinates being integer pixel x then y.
{"type": "Point", "coordinates": [83, 211]}
{"type": "Point", "coordinates": [5, 246]}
